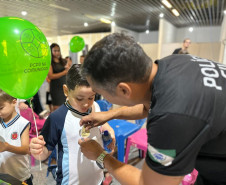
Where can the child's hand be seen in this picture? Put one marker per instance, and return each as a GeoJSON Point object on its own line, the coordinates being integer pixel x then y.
{"type": "Point", "coordinates": [111, 146]}
{"type": "Point", "coordinates": [37, 145]}
{"type": "Point", "coordinates": [2, 146]}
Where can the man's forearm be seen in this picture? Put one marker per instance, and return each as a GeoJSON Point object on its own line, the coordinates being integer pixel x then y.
{"type": "Point", "coordinates": [130, 113]}
{"type": "Point", "coordinates": [124, 173]}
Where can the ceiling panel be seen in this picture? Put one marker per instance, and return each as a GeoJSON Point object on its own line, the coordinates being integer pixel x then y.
{"type": "Point", "coordinates": [68, 16]}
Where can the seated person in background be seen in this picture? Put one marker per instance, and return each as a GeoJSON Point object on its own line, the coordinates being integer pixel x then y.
{"type": "Point", "coordinates": [184, 49]}
{"type": "Point", "coordinates": [14, 140]}
{"type": "Point", "coordinates": [62, 128]}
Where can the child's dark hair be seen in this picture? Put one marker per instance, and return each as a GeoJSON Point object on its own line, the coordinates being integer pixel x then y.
{"type": "Point", "coordinates": [5, 97]}
{"type": "Point", "coordinates": [74, 77]}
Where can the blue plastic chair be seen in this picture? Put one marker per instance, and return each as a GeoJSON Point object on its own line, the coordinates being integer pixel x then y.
{"type": "Point", "coordinates": [104, 105]}
{"type": "Point", "coordinates": [123, 128]}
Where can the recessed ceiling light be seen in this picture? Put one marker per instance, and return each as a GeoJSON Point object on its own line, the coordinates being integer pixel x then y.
{"type": "Point", "coordinates": [59, 7]}
{"type": "Point", "coordinates": [86, 24]}
{"type": "Point", "coordinates": [161, 15]}
{"type": "Point", "coordinates": [224, 11]}
{"type": "Point", "coordinates": [113, 23]}
{"type": "Point", "coordinates": [165, 2]}
{"type": "Point", "coordinates": [147, 31]}
{"type": "Point", "coordinates": [105, 20]}
{"type": "Point", "coordinates": [191, 29]}
{"type": "Point", "coordinates": [175, 12]}
{"type": "Point", "coordinates": [24, 13]}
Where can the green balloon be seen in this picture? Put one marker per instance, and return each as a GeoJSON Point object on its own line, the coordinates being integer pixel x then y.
{"type": "Point", "coordinates": [25, 57]}
{"type": "Point", "coordinates": [76, 44]}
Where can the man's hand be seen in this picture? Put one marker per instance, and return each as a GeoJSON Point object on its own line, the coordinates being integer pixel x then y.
{"type": "Point", "coordinates": [90, 148]}
{"type": "Point", "coordinates": [94, 119]}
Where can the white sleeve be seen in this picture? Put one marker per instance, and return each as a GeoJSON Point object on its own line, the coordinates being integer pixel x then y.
{"type": "Point", "coordinates": [97, 107]}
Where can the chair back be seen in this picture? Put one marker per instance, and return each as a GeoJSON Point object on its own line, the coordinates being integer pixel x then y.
{"type": "Point", "coordinates": [104, 105]}
{"type": "Point", "coordinates": [190, 178]}
{"type": "Point", "coordinates": [140, 122]}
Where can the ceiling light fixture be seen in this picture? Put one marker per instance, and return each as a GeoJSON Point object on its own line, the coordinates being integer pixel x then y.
{"type": "Point", "coordinates": [175, 12]}
{"type": "Point", "coordinates": [59, 7]}
{"type": "Point", "coordinates": [113, 9]}
{"type": "Point", "coordinates": [24, 13]}
{"type": "Point", "coordinates": [106, 21]}
{"type": "Point", "coordinates": [147, 31]}
{"type": "Point", "coordinates": [161, 15]}
{"type": "Point", "coordinates": [86, 24]}
{"type": "Point", "coordinates": [113, 23]}
{"type": "Point", "coordinates": [224, 11]}
{"type": "Point", "coordinates": [191, 29]}
{"type": "Point", "coordinates": [166, 3]}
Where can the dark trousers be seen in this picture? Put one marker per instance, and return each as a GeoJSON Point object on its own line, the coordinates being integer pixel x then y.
{"type": "Point", "coordinates": [37, 107]}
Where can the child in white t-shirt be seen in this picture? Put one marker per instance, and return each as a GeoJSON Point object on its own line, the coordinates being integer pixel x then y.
{"type": "Point", "coordinates": [14, 140]}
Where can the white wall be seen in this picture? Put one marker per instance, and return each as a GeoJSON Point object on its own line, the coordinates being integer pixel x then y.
{"type": "Point", "coordinates": [89, 38]}
{"type": "Point", "coordinates": [151, 37]}
{"type": "Point", "coordinates": [199, 34]}
{"type": "Point", "coordinates": [151, 50]}
{"type": "Point", "coordinates": [168, 31]}
{"type": "Point", "coordinates": [166, 35]}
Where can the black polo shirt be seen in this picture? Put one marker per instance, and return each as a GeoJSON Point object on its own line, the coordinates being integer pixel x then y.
{"type": "Point", "coordinates": [187, 118]}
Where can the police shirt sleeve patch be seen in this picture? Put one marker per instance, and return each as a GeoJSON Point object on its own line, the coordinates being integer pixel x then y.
{"type": "Point", "coordinates": [173, 143]}
{"type": "Point", "coordinates": [164, 157]}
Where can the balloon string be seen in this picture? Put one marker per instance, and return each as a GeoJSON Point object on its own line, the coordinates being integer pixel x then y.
{"type": "Point", "coordinates": [36, 129]}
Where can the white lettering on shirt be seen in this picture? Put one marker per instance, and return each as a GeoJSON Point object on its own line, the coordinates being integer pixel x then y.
{"type": "Point", "coordinates": [209, 71]}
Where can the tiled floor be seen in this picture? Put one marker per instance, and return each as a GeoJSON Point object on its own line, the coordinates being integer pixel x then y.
{"type": "Point", "coordinates": [41, 179]}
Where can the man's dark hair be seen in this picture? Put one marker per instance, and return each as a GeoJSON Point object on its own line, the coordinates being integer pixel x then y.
{"type": "Point", "coordinates": [74, 77]}
{"type": "Point", "coordinates": [116, 58]}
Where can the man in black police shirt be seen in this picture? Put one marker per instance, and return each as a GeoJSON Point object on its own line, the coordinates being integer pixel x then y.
{"type": "Point", "coordinates": [187, 116]}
